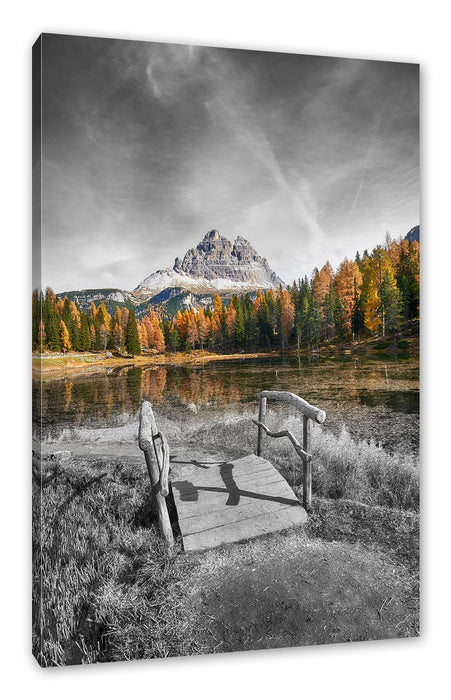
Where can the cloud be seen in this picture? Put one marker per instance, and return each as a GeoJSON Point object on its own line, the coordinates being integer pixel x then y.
{"type": "Point", "coordinates": [148, 146]}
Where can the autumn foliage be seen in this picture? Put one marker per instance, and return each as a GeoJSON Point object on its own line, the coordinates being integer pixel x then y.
{"type": "Point", "coordinates": [376, 294]}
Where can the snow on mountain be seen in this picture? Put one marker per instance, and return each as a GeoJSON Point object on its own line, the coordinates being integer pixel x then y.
{"type": "Point", "coordinates": [215, 265]}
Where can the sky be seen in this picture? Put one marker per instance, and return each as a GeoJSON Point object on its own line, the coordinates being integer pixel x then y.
{"type": "Point", "coordinates": [147, 146]}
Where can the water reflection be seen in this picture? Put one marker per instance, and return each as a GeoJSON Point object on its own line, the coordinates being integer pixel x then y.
{"type": "Point", "coordinates": [113, 397]}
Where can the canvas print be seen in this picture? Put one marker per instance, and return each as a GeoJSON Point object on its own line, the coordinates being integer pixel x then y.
{"type": "Point", "coordinates": [225, 350]}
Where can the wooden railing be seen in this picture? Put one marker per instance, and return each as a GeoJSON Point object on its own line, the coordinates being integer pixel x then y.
{"type": "Point", "coordinates": [309, 412]}
{"type": "Point", "coordinates": [156, 452]}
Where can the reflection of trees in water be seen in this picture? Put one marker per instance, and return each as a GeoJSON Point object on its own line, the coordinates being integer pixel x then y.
{"type": "Point", "coordinates": [133, 380]}
{"type": "Point", "coordinates": [199, 387]}
{"type": "Point", "coordinates": [102, 399]}
{"type": "Point", "coordinates": [67, 394]}
{"type": "Point", "coordinates": [153, 383]}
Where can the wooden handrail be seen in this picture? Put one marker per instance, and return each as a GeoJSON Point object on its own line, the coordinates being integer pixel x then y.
{"type": "Point", "coordinates": [309, 413]}
{"type": "Point", "coordinates": [156, 452]}
{"type": "Point", "coordinates": [163, 462]}
{"type": "Point", "coordinates": [288, 434]}
{"type": "Point", "coordinates": [306, 408]}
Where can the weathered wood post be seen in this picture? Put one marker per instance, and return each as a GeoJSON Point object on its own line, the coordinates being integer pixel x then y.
{"type": "Point", "coordinates": [307, 464]}
{"type": "Point", "coordinates": [261, 419]}
{"type": "Point", "coordinates": [310, 413]}
{"type": "Point", "coordinates": [157, 461]}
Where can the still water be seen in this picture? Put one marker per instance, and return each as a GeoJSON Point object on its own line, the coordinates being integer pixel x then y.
{"type": "Point", "coordinates": [372, 398]}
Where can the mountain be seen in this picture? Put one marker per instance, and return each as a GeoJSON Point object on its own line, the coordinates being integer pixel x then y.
{"type": "Point", "coordinates": [110, 297]}
{"type": "Point", "coordinates": [215, 265]}
{"type": "Point", "coordinates": [414, 234]}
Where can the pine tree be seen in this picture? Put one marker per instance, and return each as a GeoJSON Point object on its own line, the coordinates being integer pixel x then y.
{"type": "Point", "coordinates": [249, 320]}
{"type": "Point", "coordinates": [85, 336]}
{"type": "Point", "coordinates": [41, 337]}
{"type": "Point", "coordinates": [36, 317]}
{"type": "Point", "coordinates": [131, 335]}
{"type": "Point", "coordinates": [240, 332]}
{"type": "Point", "coordinates": [408, 278]}
{"type": "Point", "coordinates": [340, 317]}
{"type": "Point", "coordinates": [174, 339]}
{"type": "Point", "coordinates": [357, 320]}
{"type": "Point", "coordinates": [393, 303]}
{"type": "Point", "coordinates": [264, 324]}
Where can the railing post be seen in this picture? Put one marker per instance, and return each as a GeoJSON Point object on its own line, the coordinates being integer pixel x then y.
{"type": "Point", "coordinates": [162, 510]}
{"type": "Point", "coordinates": [261, 419]}
{"type": "Point", "coordinates": [307, 489]}
{"type": "Point", "coordinates": [157, 468]}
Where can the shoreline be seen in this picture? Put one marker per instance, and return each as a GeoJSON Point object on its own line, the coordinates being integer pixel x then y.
{"type": "Point", "coordinates": [85, 363]}
{"type": "Point", "coordinates": [54, 365]}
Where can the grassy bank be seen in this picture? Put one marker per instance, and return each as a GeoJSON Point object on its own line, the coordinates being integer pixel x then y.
{"type": "Point", "coordinates": [109, 593]}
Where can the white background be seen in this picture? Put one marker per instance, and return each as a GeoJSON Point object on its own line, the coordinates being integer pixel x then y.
{"type": "Point", "coordinates": [405, 31]}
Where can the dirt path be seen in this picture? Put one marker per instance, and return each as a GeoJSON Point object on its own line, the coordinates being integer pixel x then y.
{"type": "Point", "coordinates": [291, 590]}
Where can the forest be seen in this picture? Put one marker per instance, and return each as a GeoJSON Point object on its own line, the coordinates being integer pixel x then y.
{"type": "Point", "coordinates": [376, 294]}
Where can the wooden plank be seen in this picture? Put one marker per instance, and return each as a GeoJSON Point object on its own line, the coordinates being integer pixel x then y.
{"type": "Point", "coordinates": [225, 482]}
{"type": "Point", "coordinates": [221, 478]}
{"type": "Point", "coordinates": [278, 492]}
{"type": "Point", "coordinates": [246, 465]}
{"type": "Point", "coordinates": [249, 509]}
{"type": "Point", "coordinates": [245, 529]}
{"type": "Point", "coordinates": [232, 501]}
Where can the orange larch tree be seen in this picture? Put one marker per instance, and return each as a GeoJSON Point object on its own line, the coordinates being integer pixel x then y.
{"type": "Point", "coordinates": [64, 336]}
{"type": "Point", "coordinates": [347, 279]}
{"type": "Point", "coordinates": [202, 326]}
{"type": "Point", "coordinates": [286, 316]}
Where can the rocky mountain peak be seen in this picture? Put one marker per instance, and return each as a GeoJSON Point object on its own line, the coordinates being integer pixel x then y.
{"type": "Point", "coordinates": [216, 264]}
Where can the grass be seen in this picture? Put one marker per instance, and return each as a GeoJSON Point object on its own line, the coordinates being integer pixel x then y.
{"type": "Point", "coordinates": [343, 468]}
{"type": "Point", "coordinates": [104, 589]}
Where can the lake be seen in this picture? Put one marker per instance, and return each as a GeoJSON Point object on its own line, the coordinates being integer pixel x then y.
{"type": "Point", "coordinates": [373, 398]}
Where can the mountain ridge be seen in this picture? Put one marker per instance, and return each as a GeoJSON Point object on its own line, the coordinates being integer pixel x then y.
{"type": "Point", "coordinates": [215, 265]}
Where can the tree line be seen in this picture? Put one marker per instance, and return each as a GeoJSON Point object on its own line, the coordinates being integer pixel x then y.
{"type": "Point", "coordinates": [374, 294]}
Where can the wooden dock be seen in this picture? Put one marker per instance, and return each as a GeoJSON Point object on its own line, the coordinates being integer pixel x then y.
{"type": "Point", "coordinates": [224, 502]}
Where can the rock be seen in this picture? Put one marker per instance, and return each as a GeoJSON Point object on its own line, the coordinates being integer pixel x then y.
{"type": "Point", "coordinates": [215, 265]}
{"type": "Point", "coordinates": [414, 234]}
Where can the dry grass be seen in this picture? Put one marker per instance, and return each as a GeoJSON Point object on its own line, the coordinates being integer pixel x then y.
{"type": "Point", "coordinates": [343, 468]}
{"type": "Point", "coordinates": [103, 587]}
